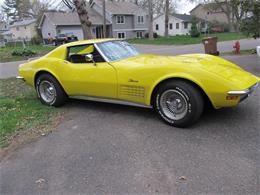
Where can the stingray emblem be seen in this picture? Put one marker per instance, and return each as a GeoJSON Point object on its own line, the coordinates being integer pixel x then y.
{"type": "Point", "coordinates": [133, 81]}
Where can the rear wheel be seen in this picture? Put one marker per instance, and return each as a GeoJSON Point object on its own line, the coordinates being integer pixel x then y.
{"type": "Point", "coordinates": [178, 103]}
{"type": "Point", "coordinates": [50, 91]}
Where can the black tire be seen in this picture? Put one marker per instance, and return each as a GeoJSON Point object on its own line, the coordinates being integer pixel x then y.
{"type": "Point", "coordinates": [59, 97]}
{"type": "Point", "coordinates": [182, 93]}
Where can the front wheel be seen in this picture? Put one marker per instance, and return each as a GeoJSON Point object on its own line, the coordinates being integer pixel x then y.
{"type": "Point", "coordinates": [50, 91]}
{"type": "Point", "coordinates": [178, 103]}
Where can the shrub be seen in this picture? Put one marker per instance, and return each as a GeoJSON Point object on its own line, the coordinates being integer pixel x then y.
{"type": "Point", "coordinates": [23, 52]}
{"type": "Point", "coordinates": [36, 40]}
{"type": "Point", "coordinates": [194, 32]}
{"type": "Point", "coordinates": [216, 26]}
{"type": "Point", "coordinates": [155, 35]}
{"type": "Point", "coordinates": [251, 25]}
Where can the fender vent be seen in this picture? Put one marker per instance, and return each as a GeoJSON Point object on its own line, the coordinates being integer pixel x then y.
{"type": "Point", "coordinates": [133, 91]}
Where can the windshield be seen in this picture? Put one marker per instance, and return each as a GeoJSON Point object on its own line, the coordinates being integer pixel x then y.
{"type": "Point", "coordinates": [116, 50]}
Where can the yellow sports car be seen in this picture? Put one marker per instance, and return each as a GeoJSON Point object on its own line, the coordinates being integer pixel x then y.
{"type": "Point", "coordinates": [110, 70]}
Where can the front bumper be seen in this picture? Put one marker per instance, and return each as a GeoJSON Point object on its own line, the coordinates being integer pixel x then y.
{"type": "Point", "coordinates": [244, 93]}
{"type": "Point", "coordinates": [20, 78]}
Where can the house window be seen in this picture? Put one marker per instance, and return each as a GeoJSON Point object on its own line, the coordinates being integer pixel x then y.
{"type": "Point", "coordinates": [185, 25]}
{"type": "Point", "coordinates": [121, 35]}
{"type": "Point", "coordinates": [157, 27]}
{"type": "Point", "coordinates": [120, 19]}
{"type": "Point", "coordinates": [203, 24]}
{"type": "Point", "coordinates": [140, 19]}
{"type": "Point", "coordinates": [17, 28]}
{"type": "Point", "coordinates": [177, 25]}
{"type": "Point", "coordinates": [139, 34]}
{"type": "Point", "coordinates": [170, 26]}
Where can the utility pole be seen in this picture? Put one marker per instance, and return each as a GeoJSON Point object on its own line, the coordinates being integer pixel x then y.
{"type": "Point", "coordinates": [166, 30]}
{"type": "Point", "coordinates": [104, 20]}
{"type": "Point", "coordinates": [150, 8]}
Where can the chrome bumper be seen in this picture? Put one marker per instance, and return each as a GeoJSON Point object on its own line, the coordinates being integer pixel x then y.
{"type": "Point", "coordinates": [244, 93]}
{"type": "Point", "coordinates": [20, 78]}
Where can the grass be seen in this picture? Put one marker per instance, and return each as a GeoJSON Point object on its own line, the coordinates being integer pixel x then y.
{"type": "Point", "coordinates": [186, 39]}
{"type": "Point", "coordinates": [242, 52]}
{"type": "Point", "coordinates": [21, 111]}
{"type": "Point", "coordinates": [6, 52]}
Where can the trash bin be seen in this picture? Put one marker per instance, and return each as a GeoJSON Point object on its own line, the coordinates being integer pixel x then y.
{"type": "Point", "coordinates": [210, 45]}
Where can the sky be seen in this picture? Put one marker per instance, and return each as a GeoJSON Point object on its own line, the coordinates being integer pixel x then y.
{"type": "Point", "coordinates": [183, 6]}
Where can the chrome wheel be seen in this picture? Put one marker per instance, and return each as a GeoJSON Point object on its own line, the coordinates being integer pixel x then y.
{"type": "Point", "coordinates": [47, 91]}
{"type": "Point", "coordinates": [173, 104]}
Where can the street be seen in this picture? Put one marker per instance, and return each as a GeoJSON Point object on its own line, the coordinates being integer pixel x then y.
{"type": "Point", "coordinates": [225, 46]}
{"type": "Point", "coordinates": [10, 69]}
{"type": "Point", "coordinates": [102, 148]}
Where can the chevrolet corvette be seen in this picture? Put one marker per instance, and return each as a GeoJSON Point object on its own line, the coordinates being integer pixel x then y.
{"type": "Point", "coordinates": [110, 70]}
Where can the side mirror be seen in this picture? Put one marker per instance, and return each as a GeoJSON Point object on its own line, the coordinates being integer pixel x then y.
{"type": "Point", "coordinates": [89, 58]}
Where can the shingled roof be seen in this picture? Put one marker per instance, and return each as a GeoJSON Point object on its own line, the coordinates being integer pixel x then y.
{"type": "Point", "coordinates": [184, 17]}
{"type": "Point", "coordinates": [117, 8]}
{"type": "Point", "coordinates": [71, 18]}
{"type": "Point", "coordinates": [23, 22]}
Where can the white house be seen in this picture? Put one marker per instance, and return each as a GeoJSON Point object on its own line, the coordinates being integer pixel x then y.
{"type": "Point", "coordinates": [179, 24]}
{"type": "Point", "coordinates": [24, 29]}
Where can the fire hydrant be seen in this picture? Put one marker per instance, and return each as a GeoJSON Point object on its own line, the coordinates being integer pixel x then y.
{"type": "Point", "coordinates": [237, 47]}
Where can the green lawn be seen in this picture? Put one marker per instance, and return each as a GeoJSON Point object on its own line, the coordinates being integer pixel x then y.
{"type": "Point", "coordinates": [186, 39]}
{"type": "Point", "coordinates": [21, 111]}
{"type": "Point", "coordinates": [6, 52]}
{"type": "Point", "coordinates": [242, 52]}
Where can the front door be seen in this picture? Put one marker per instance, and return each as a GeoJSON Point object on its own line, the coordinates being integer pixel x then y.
{"type": "Point", "coordinates": [99, 32]}
{"type": "Point", "coordinates": [94, 78]}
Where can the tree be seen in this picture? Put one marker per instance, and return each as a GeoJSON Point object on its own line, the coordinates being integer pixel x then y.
{"type": "Point", "coordinates": [80, 6]}
{"type": "Point", "coordinates": [194, 32]}
{"type": "Point", "coordinates": [10, 9]}
{"type": "Point", "coordinates": [150, 15]}
{"type": "Point", "coordinates": [251, 25]}
{"type": "Point", "coordinates": [23, 8]}
{"type": "Point", "coordinates": [166, 29]}
{"type": "Point", "coordinates": [235, 10]}
{"type": "Point", "coordinates": [104, 19]}
{"type": "Point", "coordinates": [223, 6]}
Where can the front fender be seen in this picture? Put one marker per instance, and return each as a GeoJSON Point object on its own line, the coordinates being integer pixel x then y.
{"type": "Point", "coordinates": [184, 76]}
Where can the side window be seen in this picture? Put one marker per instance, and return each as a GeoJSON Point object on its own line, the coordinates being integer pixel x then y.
{"type": "Point", "coordinates": [120, 19]}
{"type": "Point", "coordinates": [186, 25]}
{"type": "Point", "coordinates": [140, 19]}
{"type": "Point", "coordinates": [177, 26]}
{"type": "Point", "coordinates": [170, 26]}
{"type": "Point", "coordinates": [121, 35]}
{"type": "Point", "coordinates": [76, 54]}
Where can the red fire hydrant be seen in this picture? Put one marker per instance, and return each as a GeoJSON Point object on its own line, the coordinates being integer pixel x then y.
{"type": "Point", "coordinates": [237, 47]}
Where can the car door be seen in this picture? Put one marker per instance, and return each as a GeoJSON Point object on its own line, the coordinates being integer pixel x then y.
{"type": "Point", "coordinates": [96, 78]}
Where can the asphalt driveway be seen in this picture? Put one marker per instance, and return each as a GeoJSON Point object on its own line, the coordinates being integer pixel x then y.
{"type": "Point", "coordinates": [103, 148]}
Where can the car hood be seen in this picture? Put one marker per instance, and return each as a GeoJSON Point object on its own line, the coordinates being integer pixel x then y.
{"type": "Point", "coordinates": [209, 63]}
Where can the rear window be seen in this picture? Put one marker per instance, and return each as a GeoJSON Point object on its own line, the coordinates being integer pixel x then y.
{"type": "Point", "coordinates": [81, 49]}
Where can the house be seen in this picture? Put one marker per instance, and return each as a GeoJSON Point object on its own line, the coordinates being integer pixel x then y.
{"type": "Point", "coordinates": [179, 24]}
{"type": "Point", "coordinates": [53, 23]}
{"type": "Point", "coordinates": [209, 13]}
{"type": "Point", "coordinates": [3, 29]}
{"type": "Point", "coordinates": [22, 30]}
{"type": "Point", "coordinates": [128, 19]}
{"type": "Point", "coordinates": [3, 26]}
{"type": "Point", "coordinates": [123, 20]}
